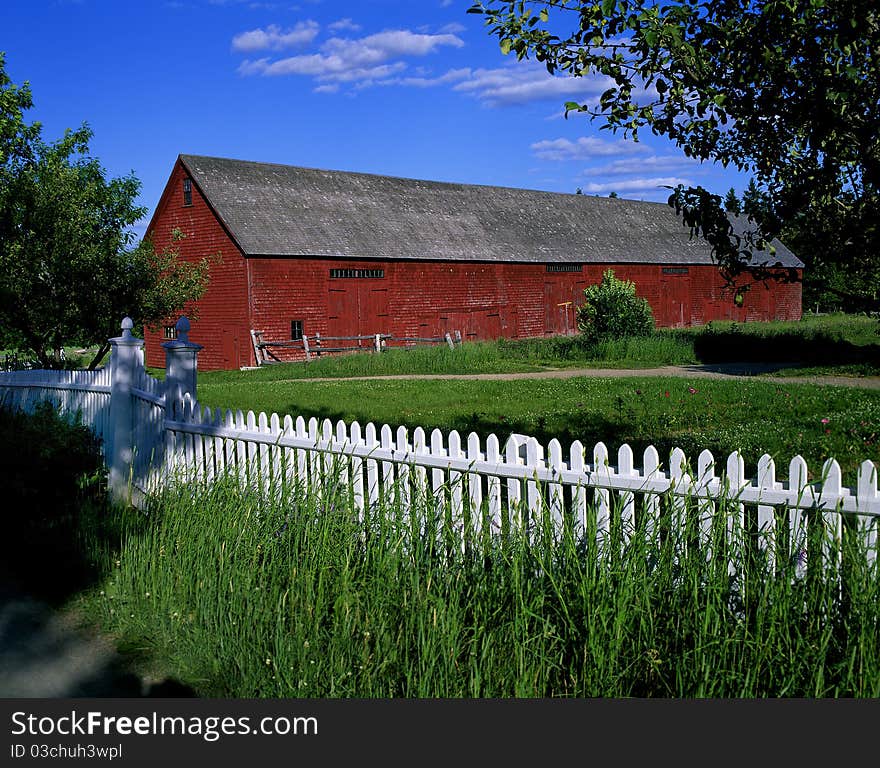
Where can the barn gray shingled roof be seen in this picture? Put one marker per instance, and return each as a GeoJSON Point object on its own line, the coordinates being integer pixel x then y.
{"type": "Point", "coordinates": [283, 210]}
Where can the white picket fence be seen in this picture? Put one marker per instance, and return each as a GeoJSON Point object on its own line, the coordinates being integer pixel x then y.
{"type": "Point", "coordinates": [156, 430]}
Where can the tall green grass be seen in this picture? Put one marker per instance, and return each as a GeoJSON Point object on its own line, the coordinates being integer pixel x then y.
{"type": "Point", "coordinates": [501, 356]}
{"type": "Point", "coordinates": [244, 597]}
{"type": "Point", "coordinates": [842, 343]}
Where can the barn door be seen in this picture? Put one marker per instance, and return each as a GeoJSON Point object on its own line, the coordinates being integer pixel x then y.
{"type": "Point", "coordinates": [675, 292]}
{"type": "Point", "coordinates": [229, 348]}
{"type": "Point", "coordinates": [342, 306]}
{"type": "Point", "coordinates": [372, 309]}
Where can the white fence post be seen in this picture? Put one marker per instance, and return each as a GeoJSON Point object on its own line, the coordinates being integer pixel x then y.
{"type": "Point", "coordinates": [180, 368]}
{"type": "Point", "coordinates": [125, 364]}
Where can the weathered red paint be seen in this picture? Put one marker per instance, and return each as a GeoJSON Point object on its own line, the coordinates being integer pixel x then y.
{"type": "Point", "coordinates": [417, 298]}
{"type": "Point", "coordinates": [222, 325]}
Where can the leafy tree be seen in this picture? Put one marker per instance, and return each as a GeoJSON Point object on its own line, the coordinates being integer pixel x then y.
{"type": "Point", "coordinates": [732, 203]}
{"type": "Point", "coordinates": [787, 90]}
{"type": "Point", "coordinates": [69, 265]}
{"type": "Point", "coordinates": [755, 203]}
{"type": "Point", "coordinates": [612, 194]}
{"type": "Point", "coordinates": [612, 310]}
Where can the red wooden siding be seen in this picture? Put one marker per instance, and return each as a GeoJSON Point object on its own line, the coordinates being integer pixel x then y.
{"type": "Point", "coordinates": [483, 300]}
{"type": "Point", "coordinates": [222, 327]}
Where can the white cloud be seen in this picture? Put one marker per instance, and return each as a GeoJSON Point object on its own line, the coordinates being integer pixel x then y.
{"type": "Point", "coordinates": [584, 148]}
{"type": "Point", "coordinates": [654, 185]}
{"type": "Point", "coordinates": [343, 25]}
{"type": "Point", "coordinates": [454, 28]}
{"type": "Point", "coordinates": [274, 38]}
{"type": "Point", "coordinates": [643, 165]}
{"type": "Point", "coordinates": [525, 82]}
{"type": "Point", "coordinates": [423, 81]}
{"type": "Point", "coordinates": [367, 59]}
{"type": "Point", "coordinates": [385, 45]}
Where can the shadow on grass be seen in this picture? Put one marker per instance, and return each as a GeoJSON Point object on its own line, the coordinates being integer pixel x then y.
{"type": "Point", "coordinates": [725, 345]}
{"type": "Point", "coordinates": [59, 530]}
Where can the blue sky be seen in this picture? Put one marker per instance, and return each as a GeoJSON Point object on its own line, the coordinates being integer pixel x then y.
{"type": "Point", "coordinates": [417, 89]}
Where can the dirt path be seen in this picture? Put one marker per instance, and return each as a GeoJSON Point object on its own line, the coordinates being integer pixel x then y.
{"type": "Point", "coordinates": [45, 652]}
{"type": "Point", "coordinates": [730, 371]}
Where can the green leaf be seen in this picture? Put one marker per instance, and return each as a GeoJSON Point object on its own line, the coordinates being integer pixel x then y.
{"type": "Point", "coordinates": [506, 43]}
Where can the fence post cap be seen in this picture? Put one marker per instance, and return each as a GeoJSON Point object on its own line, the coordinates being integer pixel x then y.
{"type": "Point", "coordinates": [182, 326]}
{"type": "Point", "coordinates": [182, 341]}
{"type": "Point", "coordinates": [127, 339]}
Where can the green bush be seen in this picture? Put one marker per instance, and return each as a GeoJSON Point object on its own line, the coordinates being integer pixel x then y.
{"type": "Point", "coordinates": [613, 311]}
{"type": "Point", "coordinates": [53, 481]}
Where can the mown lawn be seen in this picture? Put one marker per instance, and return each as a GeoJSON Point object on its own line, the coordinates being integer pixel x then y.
{"type": "Point", "coordinates": [751, 416]}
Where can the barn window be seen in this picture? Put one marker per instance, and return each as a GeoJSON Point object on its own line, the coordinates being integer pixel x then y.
{"type": "Point", "coordinates": [170, 332]}
{"type": "Point", "coordinates": [564, 267]}
{"type": "Point", "coordinates": [376, 274]}
{"type": "Point", "coordinates": [296, 330]}
{"type": "Point", "coordinates": [675, 270]}
{"type": "Point", "coordinates": [187, 192]}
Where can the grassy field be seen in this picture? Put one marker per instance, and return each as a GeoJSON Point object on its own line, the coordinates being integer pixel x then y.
{"type": "Point", "coordinates": [842, 344]}
{"type": "Point", "coordinates": [751, 416]}
{"type": "Point", "coordinates": [754, 415]}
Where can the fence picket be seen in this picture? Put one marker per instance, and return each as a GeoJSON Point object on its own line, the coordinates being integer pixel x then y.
{"type": "Point", "coordinates": [316, 460]}
{"type": "Point", "coordinates": [493, 485]}
{"type": "Point", "coordinates": [705, 506]}
{"type": "Point", "coordinates": [602, 495]}
{"type": "Point", "coordinates": [456, 508]}
{"type": "Point", "coordinates": [679, 481]}
{"type": "Point", "coordinates": [555, 464]}
{"type": "Point", "coordinates": [326, 467]}
{"type": "Point", "coordinates": [514, 487]}
{"type": "Point", "coordinates": [288, 461]}
{"type": "Point", "coordinates": [263, 450]}
{"type": "Point", "coordinates": [341, 456]}
{"type": "Point", "coordinates": [302, 455]}
{"type": "Point", "coordinates": [276, 457]}
{"type": "Point", "coordinates": [736, 522]}
{"type": "Point", "coordinates": [866, 490]}
{"type": "Point", "coordinates": [767, 536]}
{"type": "Point", "coordinates": [475, 486]}
{"type": "Point", "coordinates": [651, 501]}
{"type": "Point", "coordinates": [371, 444]}
{"type": "Point", "coordinates": [387, 445]}
{"type": "Point", "coordinates": [626, 469]}
{"type": "Point", "coordinates": [438, 483]}
{"type": "Point", "coordinates": [357, 470]}
{"type": "Point", "coordinates": [832, 520]}
{"type": "Point", "coordinates": [420, 475]}
{"type": "Point", "coordinates": [534, 509]}
{"type": "Point", "coordinates": [404, 492]}
{"type": "Point", "coordinates": [797, 535]}
{"type": "Point", "coordinates": [579, 491]}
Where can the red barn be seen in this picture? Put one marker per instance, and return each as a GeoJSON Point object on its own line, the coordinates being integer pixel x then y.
{"type": "Point", "coordinates": [344, 254]}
